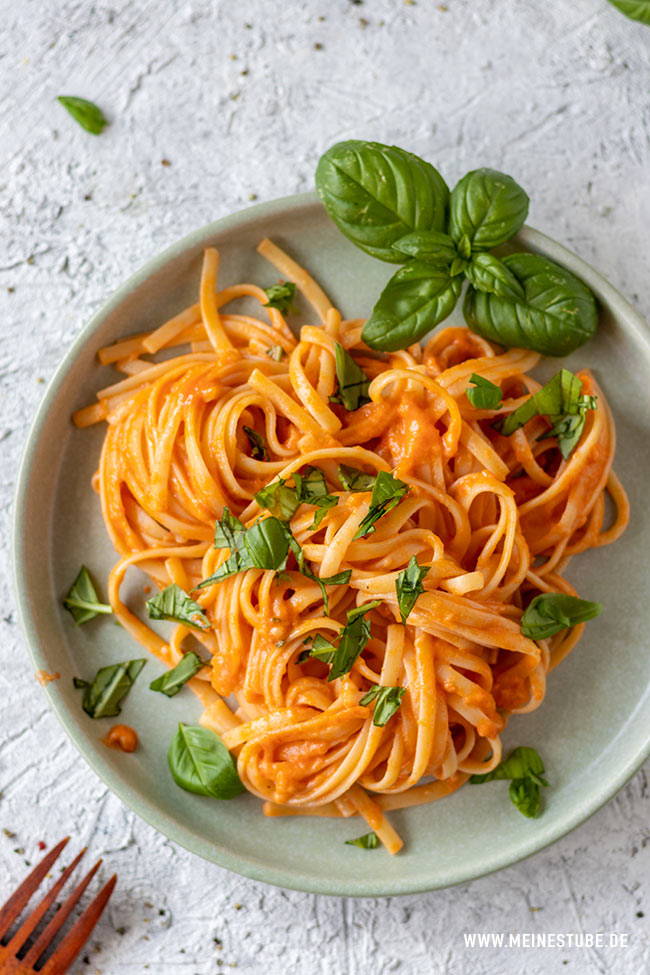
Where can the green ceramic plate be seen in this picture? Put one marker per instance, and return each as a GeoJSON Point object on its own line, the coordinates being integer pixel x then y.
{"type": "Point", "coordinates": [593, 729]}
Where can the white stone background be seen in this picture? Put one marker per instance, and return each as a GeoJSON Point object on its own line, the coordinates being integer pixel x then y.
{"type": "Point", "coordinates": [240, 101]}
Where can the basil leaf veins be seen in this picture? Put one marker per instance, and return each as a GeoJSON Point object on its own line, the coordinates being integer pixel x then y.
{"type": "Point", "coordinates": [110, 685]}
{"type": "Point", "coordinates": [82, 600]}
{"type": "Point", "coordinates": [408, 586]}
{"type": "Point", "coordinates": [551, 612]}
{"type": "Point", "coordinates": [387, 493]}
{"type": "Point", "coordinates": [174, 604]}
{"type": "Point", "coordinates": [487, 207]}
{"type": "Point", "coordinates": [352, 380]}
{"type": "Point", "coordinates": [173, 680]}
{"type": "Point", "coordinates": [200, 763]}
{"type": "Point", "coordinates": [387, 701]}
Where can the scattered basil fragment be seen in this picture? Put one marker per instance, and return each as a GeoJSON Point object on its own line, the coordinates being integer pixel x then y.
{"type": "Point", "coordinates": [490, 275]}
{"type": "Point", "coordinates": [431, 246]}
{"type": "Point", "coordinates": [259, 450]}
{"type": "Point", "coordinates": [89, 116]}
{"type": "Point", "coordinates": [352, 640]}
{"type": "Point", "coordinates": [352, 380]}
{"type": "Point", "coordinates": [526, 770]}
{"type": "Point", "coordinates": [228, 531]}
{"type": "Point", "coordinates": [551, 612]}
{"type": "Point", "coordinates": [369, 841]}
{"type": "Point", "coordinates": [634, 9]}
{"type": "Point", "coordinates": [265, 545]}
{"type": "Point", "coordinates": [82, 600]}
{"type": "Point", "coordinates": [280, 499]}
{"type": "Point", "coordinates": [174, 604]}
{"type": "Point", "coordinates": [387, 492]}
{"type": "Point", "coordinates": [352, 479]}
{"type": "Point", "coordinates": [283, 501]}
{"type": "Point", "coordinates": [408, 586]}
{"type": "Point", "coordinates": [275, 352]}
{"type": "Point", "coordinates": [526, 796]}
{"type": "Point", "coordinates": [200, 763]}
{"type": "Point", "coordinates": [108, 688]}
{"type": "Point", "coordinates": [387, 701]}
{"type": "Point", "coordinates": [173, 680]}
{"type": "Point", "coordinates": [483, 395]}
{"type": "Point", "coordinates": [487, 207]}
{"type": "Point", "coordinates": [281, 296]}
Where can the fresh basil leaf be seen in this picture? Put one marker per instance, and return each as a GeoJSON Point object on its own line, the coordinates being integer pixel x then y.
{"type": "Point", "coordinates": [310, 488]}
{"type": "Point", "coordinates": [464, 247]}
{"type": "Point", "coordinates": [82, 600]}
{"type": "Point", "coordinates": [281, 296]}
{"type": "Point", "coordinates": [568, 429]}
{"type": "Point", "coordinates": [416, 298]}
{"type": "Point", "coordinates": [267, 543]}
{"type": "Point", "coordinates": [229, 531]}
{"type": "Point", "coordinates": [110, 685]}
{"type": "Point", "coordinates": [490, 275]}
{"type": "Point", "coordinates": [458, 266]}
{"type": "Point", "coordinates": [376, 194]}
{"type": "Point", "coordinates": [521, 763]}
{"type": "Point", "coordinates": [278, 498]}
{"type": "Point", "coordinates": [634, 9]}
{"type": "Point", "coordinates": [355, 480]}
{"type": "Point", "coordinates": [430, 246]}
{"type": "Point", "coordinates": [488, 207]}
{"type": "Point", "coordinates": [387, 701]}
{"type": "Point", "coordinates": [483, 395]}
{"type": "Point", "coordinates": [79, 684]}
{"type": "Point", "coordinates": [259, 449]}
{"type": "Point", "coordinates": [369, 841]}
{"type": "Point", "coordinates": [324, 505]}
{"type": "Point", "coordinates": [89, 116]}
{"type": "Point", "coordinates": [200, 763]}
{"type": "Point", "coordinates": [352, 640]}
{"type": "Point", "coordinates": [321, 649]}
{"type": "Point", "coordinates": [173, 680]}
{"type": "Point", "coordinates": [174, 604]}
{"type": "Point", "coordinates": [275, 352]}
{"type": "Point", "coordinates": [526, 796]}
{"type": "Point", "coordinates": [387, 493]}
{"type": "Point", "coordinates": [551, 612]}
{"type": "Point", "coordinates": [310, 483]}
{"type": "Point", "coordinates": [408, 586]}
{"type": "Point", "coordinates": [353, 382]}
{"type": "Point", "coordinates": [558, 314]}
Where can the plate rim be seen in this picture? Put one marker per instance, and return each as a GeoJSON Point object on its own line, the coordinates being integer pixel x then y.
{"type": "Point", "coordinates": [147, 809]}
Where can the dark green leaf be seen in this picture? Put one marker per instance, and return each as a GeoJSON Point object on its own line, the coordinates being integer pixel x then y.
{"type": "Point", "coordinates": [310, 488]}
{"type": "Point", "coordinates": [259, 449]}
{"type": "Point", "coordinates": [109, 687]}
{"type": "Point", "coordinates": [387, 493]}
{"type": "Point", "coordinates": [458, 266]}
{"type": "Point", "coordinates": [200, 763]}
{"type": "Point", "coordinates": [488, 207]}
{"type": "Point", "coordinates": [483, 395]}
{"type": "Point", "coordinates": [376, 194]}
{"type": "Point", "coordinates": [430, 246]}
{"type": "Point", "coordinates": [278, 498]}
{"type": "Point", "coordinates": [267, 543]}
{"type": "Point", "coordinates": [281, 296]}
{"type": "Point", "coordinates": [89, 116]}
{"type": "Point", "coordinates": [275, 352]}
{"type": "Point", "coordinates": [551, 612]}
{"type": "Point", "coordinates": [369, 841]}
{"type": "Point", "coordinates": [353, 382]}
{"type": "Point", "coordinates": [311, 483]}
{"type": "Point", "coordinates": [321, 649]}
{"type": "Point", "coordinates": [171, 682]}
{"type": "Point", "coordinates": [324, 505]}
{"type": "Point", "coordinates": [387, 701]}
{"type": "Point", "coordinates": [408, 586]}
{"type": "Point", "coordinates": [557, 316]}
{"type": "Point", "coordinates": [229, 531]}
{"type": "Point", "coordinates": [174, 604]}
{"type": "Point", "coordinates": [416, 298]}
{"type": "Point", "coordinates": [634, 9]}
{"type": "Point", "coordinates": [82, 600]}
{"type": "Point", "coordinates": [352, 640]}
{"type": "Point", "coordinates": [521, 763]}
{"type": "Point", "coordinates": [526, 796]}
{"type": "Point", "coordinates": [79, 683]}
{"type": "Point", "coordinates": [355, 480]}
{"type": "Point", "coordinates": [487, 273]}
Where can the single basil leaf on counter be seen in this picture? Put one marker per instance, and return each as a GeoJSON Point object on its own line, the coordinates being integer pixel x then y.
{"type": "Point", "coordinates": [369, 841]}
{"type": "Point", "coordinates": [278, 498]}
{"type": "Point", "coordinates": [490, 275]}
{"type": "Point", "coordinates": [275, 352]}
{"type": "Point", "coordinates": [171, 682]}
{"type": "Point", "coordinates": [200, 763]}
{"type": "Point", "coordinates": [110, 685]}
{"type": "Point", "coordinates": [521, 763]}
{"type": "Point", "coordinates": [634, 9]}
{"type": "Point", "coordinates": [353, 382]}
{"type": "Point", "coordinates": [551, 612]}
{"type": "Point", "coordinates": [281, 296]}
{"type": "Point", "coordinates": [228, 531]}
{"type": "Point", "coordinates": [89, 116]}
{"type": "Point", "coordinates": [408, 586]}
{"type": "Point", "coordinates": [416, 298]}
{"type": "Point", "coordinates": [377, 194]}
{"type": "Point", "coordinates": [387, 493]}
{"type": "Point", "coordinates": [355, 480]}
{"type": "Point", "coordinates": [557, 316]}
{"type": "Point", "coordinates": [259, 450]}
{"type": "Point", "coordinates": [387, 701]}
{"type": "Point", "coordinates": [483, 395]}
{"type": "Point", "coordinates": [174, 604]}
{"type": "Point", "coordinates": [488, 207]}
{"type": "Point", "coordinates": [430, 246]}
{"type": "Point", "coordinates": [82, 600]}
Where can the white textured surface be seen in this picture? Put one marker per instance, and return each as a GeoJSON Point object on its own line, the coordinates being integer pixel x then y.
{"type": "Point", "coordinates": [238, 99]}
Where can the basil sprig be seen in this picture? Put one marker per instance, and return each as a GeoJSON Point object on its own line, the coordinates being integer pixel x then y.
{"type": "Point", "coordinates": [174, 604]}
{"type": "Point", "coordinates": [408, 586]}
{"type": "Point", "coordinates": [397, 208]}
{"type": "Point", "coordinates": [259, 449]}
{"type": "Point", "coordinates": [173, 680]}
{"type": "Point", "coordinates": [387, 701]}
{"type": "Point", "coordinates": [387, 492]}
{"type": "Point", "coordinates": [200, 763]}
{"type": "Point", "coordinates": [108, 688]}
{"type": "Point", "coordinates": [525, 769]}
{"type": "Point", "coordinates": [82, 600]}
{"type": "Point", "coordinates": [369, 841]}
{"type": "Point", "coordinates": [634, 9]}
{"type": "Point", "coordinates": [89, 116]}
{"type": "Point", "coordinates": [352, 640]}
{"type": "Point", "coordinates": [561, 400]}
{"type": "Point", "coordinates": [483, 395]}
{"type": "Point", "coordinates": [551, 612]}
{"type": "Point", "coordinates": [281, 296]}
{"type": "Point", "coordinates": [354, 480]}
{"type": "Point", "coordinates": [352, 380]}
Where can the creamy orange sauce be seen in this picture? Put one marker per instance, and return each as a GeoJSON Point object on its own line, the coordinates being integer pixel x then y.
{"type": "Point", "coordinates": [121, 737]}
{"type": "Point", "coordinates": [43, 677]}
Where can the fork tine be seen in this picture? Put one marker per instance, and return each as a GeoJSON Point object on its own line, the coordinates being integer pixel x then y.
{"type": "Point", "coordinates": [76, 938]}
{"type": "Point", "coordinates": [33, 920]}
{"type": "Point", "coordinates": [59, 918]}
{"type": "Point", "coordinates": [12, 908]}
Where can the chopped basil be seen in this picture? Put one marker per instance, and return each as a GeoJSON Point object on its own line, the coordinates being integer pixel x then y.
{"type": "Point", "coordinates": [310, 488]}
{"type": "Point", "coordinates": [525, 768]}
{"type": "Point", "coordinates": [387, 701]}
{"type": "Point", "coordinates": [280, 500]}
{"type": "Point", "coordinates": [275, 352]}
{"type": "Point", "coordinates": [353, 382]}
{"type": "Point", "coordinates": [200, 763]}
{"type": "Point", "coordinates": [561, 401]}
{"type": "Point", "coordinates": [387, 493]}
{"type": "Point", "coordinates": [551, 612]}
{"type": "Point", "coordinates": [89, 116]}
{"type": "Point", "coordinates": [483, 395]}
{"type": "Point", "coordinates": [408, 586]}
{"type": "Point", "coordinates": [171, 682]}
{"type": "Point", "coordinates": [369, 841]}
{"type": "Point", "coordinates": [353, 479]}
{"type": "Point", "coordinates": [82, 600]}
{"type": "Point", "coordinates": [110, 685]}
{"type": "Point", "coordinates": [259, 450]}
{"type": "Point", "coordinates": [229, 531]}
{"type": "Point", "coordinates": [353, 639]}
{"type": "Point", "coordinates": [281, 296]}
{"type": "Point", "coordinates": [526, 796]}
{"type": "Point", "coordinates": [174, 604]}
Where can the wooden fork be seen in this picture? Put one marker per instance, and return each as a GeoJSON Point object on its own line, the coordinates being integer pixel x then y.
{"type": "Point", "coordinates": [72, 943]}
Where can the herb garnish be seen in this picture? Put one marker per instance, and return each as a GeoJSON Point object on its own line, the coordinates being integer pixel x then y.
{"type": "Point", "coordinates": [483, 395]}
{"type": "Point", "coordinates": [408, 586]}
{"type": "Point", "coordinates": [110, 685]}
{"type": "Point", "coordinates": [369, 841]}
{"type": "Point", "coordinates": [310, 488]}
{"type": "Point", "coordinates": [387, 701]}
{"type": "Point", "coordinates": [634, 9]}
{"type": "Point", "coordinates": [551, 612]}
{"type": "Point", "coordinates": [82, 600]}
{"type": "Point", "coordinates": [259, 450]}
{"type": "Point", "coordinates": [275, 352]}
{"type": "Point", "coordinates": [89, 116]}
{"type": "Point", "coordinates": [387, 492]}
{"type": "Point", "coordinates": [200, 763]}
{"type": "Point", "coordinates": [353, 382]}
{"type": "Point", "coordinates": [174, 604]}
{"type": "Point", "coordinates": [281, 297]}
{"type": "Point", "coordinates": [525, 769]}
{"type": "Point", "coordinates": [352, 641]}
{"type": "Point", "coordinates": [171, 682]}
{"type": "Point", "coordinates": [353, 479]}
